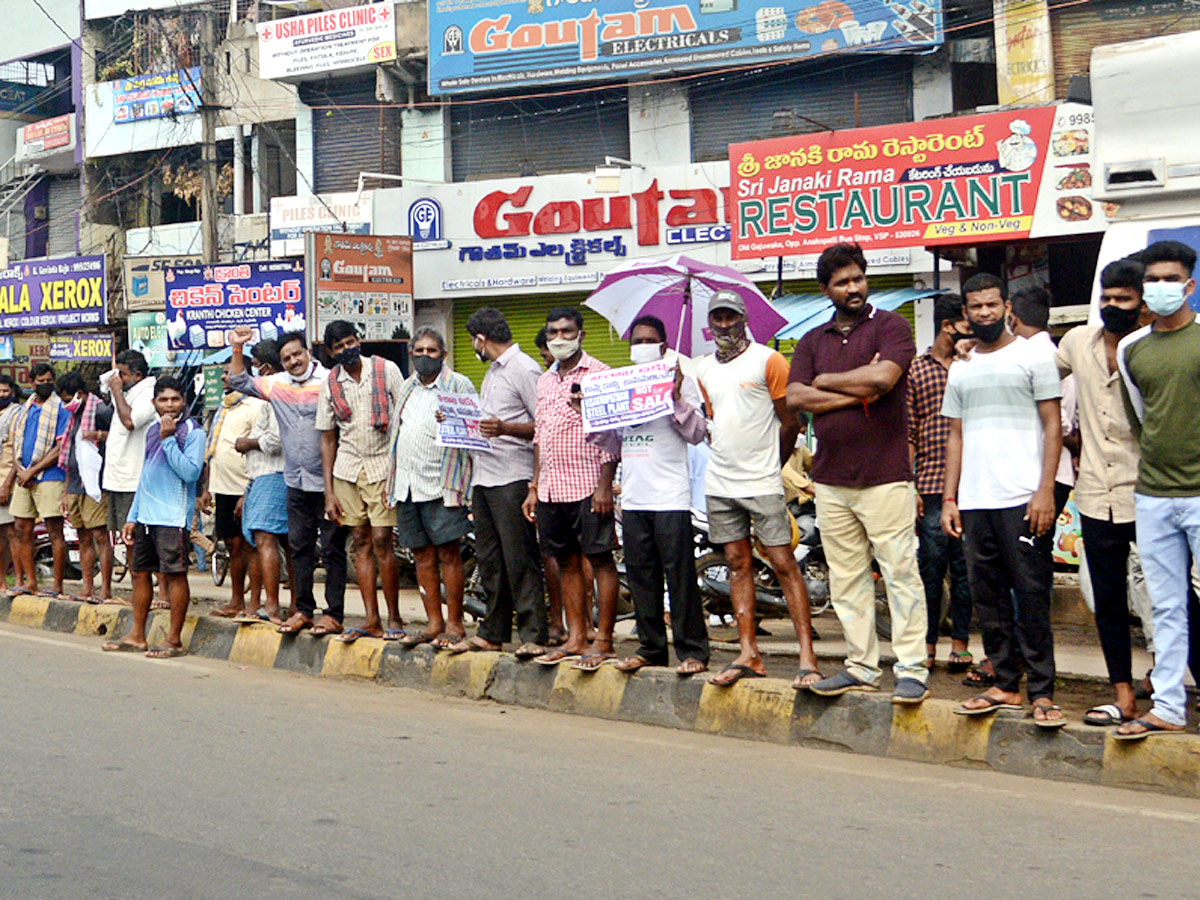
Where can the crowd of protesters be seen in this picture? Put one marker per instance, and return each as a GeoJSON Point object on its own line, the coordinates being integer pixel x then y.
{"type": "Point", "coordinates": [953, 463]}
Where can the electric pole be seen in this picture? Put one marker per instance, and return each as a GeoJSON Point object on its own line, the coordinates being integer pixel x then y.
{"type": "Point", "coordinates": [208, 139]}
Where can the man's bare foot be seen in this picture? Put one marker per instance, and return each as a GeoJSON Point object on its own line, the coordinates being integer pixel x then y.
{"type": "Point", "coordinates": [228, 611]}
{"type": "Point", "coordinates": [1147, 725]}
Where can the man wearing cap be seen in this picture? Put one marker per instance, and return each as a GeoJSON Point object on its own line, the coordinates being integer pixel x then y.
{"type": "Point", "coordinates": [752, 433]}
{"type": "Point", "coordinates": [850, 373]}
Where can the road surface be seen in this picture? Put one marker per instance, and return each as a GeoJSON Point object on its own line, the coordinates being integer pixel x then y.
{"type": "Point", "coordinates": [126, 778]}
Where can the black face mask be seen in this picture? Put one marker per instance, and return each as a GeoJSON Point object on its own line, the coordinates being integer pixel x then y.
{"type": "Point", "coordinates": [958, 336]}
{"type": "Point", "coordinates": [1118, 320]}
{"type": "Point", "coordinates": [4, 401]}
{"type": "Point", "coordinates": [43, 391]}
{"type": "Point", "coordinates": [348, 357]}
{"type": "Point", "coordinates": [989, 333]}
{"type": "Point", "coordinates": [427, 366]}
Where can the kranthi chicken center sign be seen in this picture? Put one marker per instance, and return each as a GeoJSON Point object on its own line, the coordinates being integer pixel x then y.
{"type": "Point", "coordinates": [1002, 176]}
{"type": "Point", "coordinates": [54, 293]}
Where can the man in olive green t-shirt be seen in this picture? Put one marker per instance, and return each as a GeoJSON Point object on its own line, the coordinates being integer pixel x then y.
{"type": "Point", "coordinates": [1160, 371]}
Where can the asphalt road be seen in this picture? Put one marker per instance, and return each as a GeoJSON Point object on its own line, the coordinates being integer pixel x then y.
{"type": "Point", "coordinates": [126, 778]}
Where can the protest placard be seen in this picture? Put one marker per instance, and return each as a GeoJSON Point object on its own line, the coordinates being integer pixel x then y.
{"type": "Point", "coordinates": [628, 396]}
{"type": "Point", "coordinates": [460, 424]}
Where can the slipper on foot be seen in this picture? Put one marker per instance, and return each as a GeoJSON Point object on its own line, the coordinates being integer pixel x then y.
{"type": "Point", "coordinates": [841, 683]}
{"type": "Point", "coordinates": [993, 706]}
{"type": "Point", "coordinates": [529, 651]}
{"type": "Point", "coordinates": [554, 657]}
{"type": "Point", "coordinates": [1105, 715]}
{"type": "Point", "coordinates": [165, 652]}
{"type": "Point", "coordinates": [121, 647]}
{"type": "Point", "coordinates": [591, 662]}
{"type": "Point", "coordinates": [739, 671]}
{"type": "Point", "coordinates": [797, 682]}
{"type": "Point", "coordinates": [1047, 724]}
{"type": "Point", "coordinates": [394, 634]}
{"type": "Point", "coordinates": [1150, 729]}
{"type": "Point", "coordinates": [353, 634]}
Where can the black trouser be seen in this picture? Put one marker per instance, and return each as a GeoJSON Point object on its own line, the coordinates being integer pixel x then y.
{"type": "Point", "coordinates": [937, 553]}
{"type": "Point", "coordinates": [1106, 544]}
{"type": "Point", "coordinates": [1007, 565]}
{"type": "Point", "coordinates": [306, 519]}
{"type": "Point", "coordinates": [510, 565]}
{"type": "Point", "coordinates": [660, 545]}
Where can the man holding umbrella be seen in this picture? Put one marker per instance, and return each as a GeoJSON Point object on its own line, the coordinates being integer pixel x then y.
{"type": "Point", "coordinates": [752, 433]}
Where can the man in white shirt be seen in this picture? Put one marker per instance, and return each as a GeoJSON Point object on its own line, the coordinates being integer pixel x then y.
{"type": "Point", "coordinates": [656, 515]}
{"type": "Point", "coordinates": [132, 391]}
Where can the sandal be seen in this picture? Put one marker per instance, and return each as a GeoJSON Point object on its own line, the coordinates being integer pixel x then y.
{"type": "Point", "coordinates": [416, 640]}
{"type": "Point", "coordinates": [122, 647]}
{"type": "Point", "coordinates": [993, 706]}
{"type": "Point", "coordinates": [691, 666]}
{"type": "Point", "coordinates": [1148, 729]}
{"type": "Point", "coordinates": [798, 682]}
{"type": "Point", "coordinates": [739, 672]}
{"type": "Point", "coordinates": [394, 634]}
{"type": "Point", "coordinates": [470, 645]}
{"type": "Point", "coordinates": [1105, 715]}
{"type": "Point", "coordinates": [326, 626]}
{"type": "Point", "coordinates": [591, 662]}
{"type": "Point", "coordinates": [1047, 707]}
{"type": "Point", "coordinates": [295, 624]}
{"type": "Point", "coordinates": [631, 664]}
{"type": "Point", "coordinates": [167, 652]}
{"type": "Point", "coordinates": [960, 662]}
{"type": "Point", "coordinates": [529, 651]}
{"type": "Point", "coordinates": [977, 677]}
{"type": "Point", "coordinates": [353, 634]}
{"type": "Point", "coordinates": [555, 656]}
{"type": "Point", "coordinates": [445, 640]}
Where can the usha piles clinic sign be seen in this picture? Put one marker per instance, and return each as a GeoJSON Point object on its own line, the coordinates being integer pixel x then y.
{"type": "Point", "coordinates": [1002, 176]}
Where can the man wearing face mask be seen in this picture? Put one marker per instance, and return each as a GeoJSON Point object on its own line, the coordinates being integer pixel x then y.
{"type": "Point", "coordinates": [10, 408]}
{"type": "Point", "coordinates": [39, 478]}
{"type": "Point", "coordinates": [927, 433]}
{"type": "Point", "coordinates": [1001, 459]}
{"type": "Point", "coordinates": [1160, 368]}
{"type": "Point", "coordinates": [80, 458]}
{"type": "Point", "coordinates": [571, 495]}
{"type": "Point", "coordinates": [1107, 472]}
{"type": "Point", "coordinates": [505, 541]}
{"type": "Point", "coordinates": [656, 514]}
{"type": "Point", "coordinates": [355, 414]}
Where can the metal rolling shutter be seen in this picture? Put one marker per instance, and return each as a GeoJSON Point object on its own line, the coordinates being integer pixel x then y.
{"type": "Point", "coordinates": [729, 109]}
{"type": "Point", "coordinates": [517, 137]}
{"type": "Point", "coordinates": [352, 133]}
{"type": "Point", "coordinates": [64, 204]}
{"type": "Point", "coordinates": [1076, 30]}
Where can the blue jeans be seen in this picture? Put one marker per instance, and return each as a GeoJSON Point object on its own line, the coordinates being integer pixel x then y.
{"type": "Point", "coordinates": [935, 555]}
{"type": "Point", "coordinates": [1166, 528]}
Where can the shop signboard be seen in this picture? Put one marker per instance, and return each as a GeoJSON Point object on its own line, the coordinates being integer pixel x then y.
{"type": "Point", "coordinates": [144, 286]}
{"type": "Point", "coordinates": [326, 41]}
{"type": "Point", "coordinates": [38, 139]}
{"type": "Point", "coordinates": [509, 43]}
{"type": "Point", "coordinates": [214, 387]}
{"type": "Point", "coordinates": [363, 279]}
{"type": "Point", "coordinates": [206, 302]}
{"type": "Point", "coordinates": [69, 292]}
{"type": "Point", "coordinates": [148, 333]}
{"type": "Point", "coordinates": [294, 217]}
{"type": "Point", "coordinates": [81, 347]}
{"type": "Point", "coordinates": [997, 177]}
{"type": "Point", "coordinates": [156, 96]}
{"type": "Point", "coordinates": [556, 233]}
{"type": "Point", "coordinates": [1024, 53]}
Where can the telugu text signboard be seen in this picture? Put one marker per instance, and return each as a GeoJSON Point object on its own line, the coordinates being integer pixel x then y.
{"type": "Point", "coordinates": [205, 303]}
{"type": "Point", "coordinates": [459, 426]}
{"type": "Point", "coordinates": [325, 41]}
{"type": "Point", "coordinates": [366, 280]}
{"type": "Point", "coordinates": [294, 217]}
{"type": "Point", "coordinates": [54, 293]}
{"type": "Point", "coordinates": [1001, 176]}
{"type": "Point", "coordinates": [628, 396]}
{"type": "Point", "coordinates": [506, 43]}
{"type": "Point", "coordinates": [156, 96]}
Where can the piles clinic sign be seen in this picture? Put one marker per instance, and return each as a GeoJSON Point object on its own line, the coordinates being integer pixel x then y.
{"type": "Point", "coordinates": [1002, 176]}
{"type": "Point", "coordinates": [54, 293]}
{"type": "Point", "coordinates": [325, 41]}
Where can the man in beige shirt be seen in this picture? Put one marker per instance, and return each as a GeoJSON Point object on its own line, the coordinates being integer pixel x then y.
{"type": "Point", "coordinates": [1107, 472]}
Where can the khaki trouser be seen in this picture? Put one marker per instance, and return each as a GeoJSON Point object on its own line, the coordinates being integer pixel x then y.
{"type": "Point", "coordinates": [879, 521]}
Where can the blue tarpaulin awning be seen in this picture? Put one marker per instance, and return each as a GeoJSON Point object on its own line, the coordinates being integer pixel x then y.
{"type": "Point", "coordinates": [805, 312]}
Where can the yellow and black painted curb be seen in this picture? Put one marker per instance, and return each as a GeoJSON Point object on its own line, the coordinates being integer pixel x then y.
{"type": "Point", "coordinates": [759, 709]}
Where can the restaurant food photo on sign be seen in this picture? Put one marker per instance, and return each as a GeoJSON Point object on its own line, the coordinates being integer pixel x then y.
{"type": "Point", "coordinates": [1001, 176]}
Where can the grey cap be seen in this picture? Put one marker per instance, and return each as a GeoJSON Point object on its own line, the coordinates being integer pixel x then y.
{"type": "Point", "coordinates": [727, 300]}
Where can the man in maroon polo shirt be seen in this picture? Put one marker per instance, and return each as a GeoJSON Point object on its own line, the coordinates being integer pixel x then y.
{"type": "Point", "coordinates": [851, 375]}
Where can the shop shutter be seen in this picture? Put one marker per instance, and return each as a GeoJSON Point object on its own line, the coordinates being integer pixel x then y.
{"type": "Point", "coordinates": [526, 137]}
{"type": "Point", "coordinates": [352, 133]}
{"type": "Point", "coordinates": [64, 205]}
{"type": "Point", "coordinates": [1076, 30]}
{"type": "Point", "coordinates": [844, 92]}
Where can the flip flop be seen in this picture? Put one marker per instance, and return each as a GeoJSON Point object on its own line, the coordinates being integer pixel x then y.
{"type": "Point", "coordinates": [1047, 724]}
{"type": "Point", "coordinates": [466, 645]}
{"type": "Point", "coordinates": [801, 675]}
{"type": "Point", "coordinates": [586, 664]}
{"type": "Point", "coordinates": [1150, 727]}
{"type": "Point", "coordinates": [979, 678]}
{"type": "Point", "coordinates": [741, 672]}
{"type": "Point", "coordinates": [554, 657]}
{"type": "Point", "coordinates": [993, 706]}
{"type": "Point", "coordinates": [529, 651]}
{"type": "Point", "coordinates": [1105, 715]}
{"type": "Point", "coordinates": [631, 664]}
{"type": "Point", "coordinates": [322, 630]}
{"type": "Point", "coordinates": [691, 666]}
{"type": "Point", "coordinates": [960, 662]}
{"type": "Point", "coordinates": [247, 619]}
{"type": "Point", "coordinates": [165, 652]}
{"type": "Point", "coordinates": [225, 613]}
{"type": "Point", "coordinates": [298, 627]}
{"type": "Point", "coordinates": [394, 634]}
{"type": "Point", "coordinates": [445, 641]}
{"type": "Point", "coordinates": [416, 640]}
{"type": "Point", "coordinates": [53, 595]}
{"type": "Point", "coordinates": [121, 647]}
{"type": "Point", "coordinates": [350, 635]}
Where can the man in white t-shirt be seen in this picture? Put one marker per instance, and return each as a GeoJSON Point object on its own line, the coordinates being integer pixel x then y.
{"type": "Point", "coordinates": [133, 413]}
{"type": "Point", "coordinates": [752, 434]}
{"type": "Point", "coordinates": [1001, 458]}
{"type": "Point", "coordinates": [656, 515]}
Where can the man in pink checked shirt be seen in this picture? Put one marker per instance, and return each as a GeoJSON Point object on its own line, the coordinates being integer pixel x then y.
{"type": "Point", "coordinates": [571, 494]}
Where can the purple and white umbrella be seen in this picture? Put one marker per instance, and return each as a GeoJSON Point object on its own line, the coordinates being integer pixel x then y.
{"type": "Point", "coordinates": [677, 290]}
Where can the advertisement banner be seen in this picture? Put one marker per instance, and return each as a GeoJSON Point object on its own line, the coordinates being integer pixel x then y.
{"type": "Point", "coordinates": [294, 217]}
{"type": "Point", "coordinates": [995, 177]}
{"type": "Point", "coordinates": [508, 43]}
{"type": "Point", "coordinates": [144, 286]}
{"type": "Point", "coordinates": [54, 293]}
{"type": "Point", "coordinates": [325, 41]}
{"type": "Point", "coordinates": [156, 96]}
{"type": "Point", "coordinates": [148, 333]}
{"type": "Point", "coordinates": [1024, 54]}
{"type": "Point", "coordinates": [205, 303]}
{"type": "Point", "coordinates": [460, 425]}
{"type": "Point", "coordinates": [628, 396]}
{"type": "Point", "coordinates": [40, 138]}
{"type": "Point", "coordinates": [81, 347]}
{"type": "Point", "coordinates": [366, 280]}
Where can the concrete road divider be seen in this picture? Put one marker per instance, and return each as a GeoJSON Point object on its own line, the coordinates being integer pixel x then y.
{"type": "Point", "coordinates": [756, 709]}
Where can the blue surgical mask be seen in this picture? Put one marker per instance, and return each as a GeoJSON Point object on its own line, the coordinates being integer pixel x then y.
{"type": "Point", "coordinates": [1163, 297]}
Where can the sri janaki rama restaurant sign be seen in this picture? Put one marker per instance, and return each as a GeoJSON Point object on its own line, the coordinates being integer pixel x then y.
{"type": "Point", "coordinates": [1002, 176]}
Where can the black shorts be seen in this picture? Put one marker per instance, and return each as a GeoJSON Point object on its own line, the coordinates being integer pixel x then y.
{"type": "Point", "coordinates": [159, 548]}
{"type": "Point", "coordinates": [567, 528]}
{"type": "Point", "coordinates": [225, 524]}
